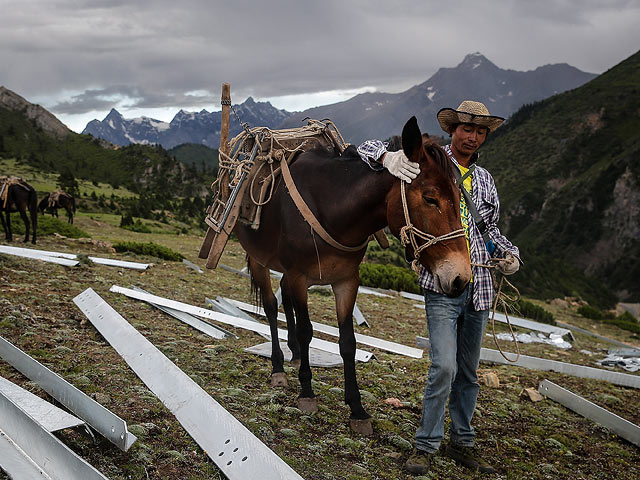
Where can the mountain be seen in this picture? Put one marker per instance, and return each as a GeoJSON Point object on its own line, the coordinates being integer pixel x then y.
{"type": "Point", "coordinates": [41, 118]}
{"type": "Point", "coordinates": [381, 115]}
{"type": "Point", "coordinates": [568, 172]}
{"type": "Point", "coordinates": [186, 127]}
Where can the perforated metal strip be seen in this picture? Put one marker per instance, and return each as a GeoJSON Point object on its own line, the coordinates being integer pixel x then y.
{"type": "Point", "coordinates": [235, 450]}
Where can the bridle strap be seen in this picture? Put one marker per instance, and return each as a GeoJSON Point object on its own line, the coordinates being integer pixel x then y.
{"type": "Point", "coordinates": [409, 232]}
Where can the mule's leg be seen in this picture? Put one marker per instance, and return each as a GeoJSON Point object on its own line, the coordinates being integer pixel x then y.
{"type": "Point", "coordinates": [25, 219]}
{"type": "Point", "coordinates": [345, 293]}
{"type": "Point", "coordinates": [9, 232]}
{"type": "Point", "coordinates": [260, 276]}
{"type": "Point", "coordinates": [69, 215]}
{"type": "Point", "coordinates": [34, 224]}
{"type": "Point", "coordinates": [307, 401]}
{"type": "Point", "coordinates": [4, 226]}
{"type": "Point", "coordinates": [292, 341]}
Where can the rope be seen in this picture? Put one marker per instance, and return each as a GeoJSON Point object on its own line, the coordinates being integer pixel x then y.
{"type": "Point", "coordinates": [409, 232]}
{"type": "Point", "coordinates": [503, 298]}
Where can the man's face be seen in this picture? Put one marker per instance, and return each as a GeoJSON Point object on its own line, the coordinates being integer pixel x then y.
{"type": "Point", "coordinates": [467, 137]}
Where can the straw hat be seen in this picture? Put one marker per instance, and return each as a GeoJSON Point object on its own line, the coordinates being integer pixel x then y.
{"type": "Point", "coordinates": [468, 112]}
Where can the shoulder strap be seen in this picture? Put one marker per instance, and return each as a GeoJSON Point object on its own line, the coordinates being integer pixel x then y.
{"type": "Point", "coordinates": [477, 218]}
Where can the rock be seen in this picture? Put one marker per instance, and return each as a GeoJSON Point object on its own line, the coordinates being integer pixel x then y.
{"type": "Point", "coordinates": [400, 443]}
{"type": "Point", "coordinates": [532, 394]}
{"type": "Point", "coordinates": [288, 432]}
{"type": "Point", "coordinates": [491, 380]}
{"type": "Point", "coordinates": [559, 302]}
{"type": "Point", "coordinates": [394, 402]}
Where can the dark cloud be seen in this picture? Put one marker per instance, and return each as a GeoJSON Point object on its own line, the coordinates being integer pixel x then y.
{"type": "Point", "coordinates": [79, 56]}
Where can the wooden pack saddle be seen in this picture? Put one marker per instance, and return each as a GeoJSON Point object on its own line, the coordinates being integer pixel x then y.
{"type": "Point", "coordinates": [247, 176]}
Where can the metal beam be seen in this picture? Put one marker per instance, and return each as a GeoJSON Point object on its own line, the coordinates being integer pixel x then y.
{"type": "Point", "coordinates": [192, 265]}
{"type": "Point", "coordinates": [109, 425]}
{"type": "Point", "coordinates": [329, 330]}
{"type": "Point", "coordinates": [234, 449]}
{"type": "Point", "coordinates": [535, 363]}
{"type": "Point", "coordinates": [34, 251]}
{"type": "Point", "coordinates": [119, 263]}
{"type": "Point", "coordinates": [29, 451]}
{"type": "Point", "coordinates": [361, 355]}
{"type": "Point", "coordinates": [317, 358]}
{"type": "Point", "coordinates": [587, 409]}
{"type": "Point", "coordinates": [37, 256]}
{"type": "Point", "coordinates": [49, 416]}
{"type": "Point", "coordinates": [190, 320]}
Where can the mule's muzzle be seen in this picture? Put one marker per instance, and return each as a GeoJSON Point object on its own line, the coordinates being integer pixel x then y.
{"type": "Point", "coordinates": [452, 277]}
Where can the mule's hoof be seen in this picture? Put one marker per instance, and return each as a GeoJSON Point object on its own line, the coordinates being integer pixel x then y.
{"type": "Point", "coordinates": [296, 363]}
{"type": "Point", "coordinates": [308, 405]}
{"type": "Point", "coordinates": [363, 427]}
{"type": "Point", "coordinates": [279, 380]}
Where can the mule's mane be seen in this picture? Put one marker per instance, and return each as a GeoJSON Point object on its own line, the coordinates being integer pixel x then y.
{"type": "Point", "coordinates": [442, 160]}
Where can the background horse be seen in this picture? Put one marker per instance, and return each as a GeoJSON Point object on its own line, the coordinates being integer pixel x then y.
{"type": "Point", "coordinates": [52, 203]}
{"type": "Point", "coordinates": [351, 202]}
{"type": "Point", "coordinates": [21, 197]}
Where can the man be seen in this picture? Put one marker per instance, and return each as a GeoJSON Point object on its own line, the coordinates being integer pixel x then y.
{"type": "Point", "coordinates": [456, 325]}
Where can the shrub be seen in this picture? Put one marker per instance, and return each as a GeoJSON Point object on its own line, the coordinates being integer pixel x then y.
{"type": "Point", "coordinates": [136, 226]}
{"type": "Point", "coordinates": [533, 312]}
{"type": "Point", "coordinates": [150, 248]}
{"type": "Point", "coordinates": [48, 226]}
{"type": "Point", "coordinates": [593, 313]}
{"type": "Point", "coordinates": [389, 277]}
{"type": "Point", "coordinates": [626, 321]}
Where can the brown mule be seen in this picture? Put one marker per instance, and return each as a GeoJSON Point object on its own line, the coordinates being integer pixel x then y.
{"type": "Point", "coordinates": [351, 202]}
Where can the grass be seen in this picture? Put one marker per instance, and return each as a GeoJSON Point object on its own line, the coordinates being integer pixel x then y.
{"type": "Point", "coordinates": [523, 440]}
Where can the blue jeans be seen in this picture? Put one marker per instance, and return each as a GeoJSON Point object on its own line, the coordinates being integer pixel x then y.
{"type": "Point", "coordinates": [455, 332]}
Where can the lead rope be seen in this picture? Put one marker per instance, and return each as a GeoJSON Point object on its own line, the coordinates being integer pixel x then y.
{"type": "Point", "coordinates": [503, 298]}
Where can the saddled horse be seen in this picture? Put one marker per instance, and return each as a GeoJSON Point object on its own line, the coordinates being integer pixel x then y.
{"type": "Point", "coordinates": [351, 202]}
{"type": "Point", "coordinates": [18, 196]}
{"type": "Point", "coordinates": [55, 200]}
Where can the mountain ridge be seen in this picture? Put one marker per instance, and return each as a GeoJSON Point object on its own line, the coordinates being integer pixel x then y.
{"type": "Point", "coordinates": [366, 115]}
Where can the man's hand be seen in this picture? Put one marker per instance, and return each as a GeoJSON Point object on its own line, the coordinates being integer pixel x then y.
{"type": "Point", "coordinates": [509, 264]}
{"type": "Point", "coordinates": [399, 166]}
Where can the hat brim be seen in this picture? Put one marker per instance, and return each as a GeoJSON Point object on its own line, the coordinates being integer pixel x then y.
{"type": "Point", "coordinates": [447, 117]}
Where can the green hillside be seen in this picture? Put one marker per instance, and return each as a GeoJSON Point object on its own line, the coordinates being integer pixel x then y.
{"type": "Point", "coordinates": [568, 174]}
{"type": "Point", "coordinates": [202, 157]}
{"type": "Point", "coordinates": [137, 167]}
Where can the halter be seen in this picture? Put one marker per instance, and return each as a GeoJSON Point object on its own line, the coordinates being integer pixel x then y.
{"type": "Point", "coordinates": [409, 232]}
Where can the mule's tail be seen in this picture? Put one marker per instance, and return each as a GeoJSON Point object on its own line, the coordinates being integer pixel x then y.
{"type": "Point", "coordinates": [73, 204]}
{"type": "Point", "coordinates": [255, 288]}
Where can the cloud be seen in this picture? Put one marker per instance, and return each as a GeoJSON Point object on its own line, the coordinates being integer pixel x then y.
{"type": "Point", "coordinates": [161, 53]}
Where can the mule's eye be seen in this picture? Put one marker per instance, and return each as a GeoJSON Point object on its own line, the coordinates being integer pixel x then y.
{"type": "Point", "coordinates": [431, 201]}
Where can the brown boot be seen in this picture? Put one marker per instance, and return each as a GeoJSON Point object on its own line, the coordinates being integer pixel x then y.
{"type": "Point", "coordinates": [419, 462]}
{"type": "Point", "coordinates": [468, 457]}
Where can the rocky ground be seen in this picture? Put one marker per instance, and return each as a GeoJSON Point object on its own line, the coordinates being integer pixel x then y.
{"type": "Point", "coordinates": [522, 439]}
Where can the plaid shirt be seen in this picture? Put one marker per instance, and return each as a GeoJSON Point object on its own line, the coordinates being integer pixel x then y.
{"type": "Point", "coordinates": [485, 197]}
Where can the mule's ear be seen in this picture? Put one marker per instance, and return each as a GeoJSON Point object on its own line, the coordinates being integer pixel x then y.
{"type": "Point", "coordinates": [411, 137]}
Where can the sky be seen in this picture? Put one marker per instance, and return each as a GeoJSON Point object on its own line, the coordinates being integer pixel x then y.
{"type": "Point", "coordinates": [80, 58]}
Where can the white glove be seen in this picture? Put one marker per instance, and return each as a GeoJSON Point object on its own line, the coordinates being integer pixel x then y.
{"type": "Point", "coordinates": [399, 166]}
{"type": "Point", "coordinates": [509, 264]}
